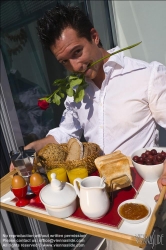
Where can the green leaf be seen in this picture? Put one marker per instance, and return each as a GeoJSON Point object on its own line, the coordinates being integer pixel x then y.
{"type": "Point", "coordinates": [59, 82]}
{"type": "Point", "coordinates": [62, 95]}
{"type": "Point", "coordinates": [79, 95]}
{"type": "Point", "coordinates": [84, 84]}
{"type": "Point", "coordinates": [69, 92]}
{"type": "Point", "coordinates": [63, 89]}
{"type": "Point", "coordinates": [56, 99]}
{"type": "Point", "coordinates": [75, 82]}
{"type": "Point", "coordinates": [71, 77]}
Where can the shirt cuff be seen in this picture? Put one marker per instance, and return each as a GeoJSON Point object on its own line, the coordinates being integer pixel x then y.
{"type": "Point", "coordinates": [59, 135]}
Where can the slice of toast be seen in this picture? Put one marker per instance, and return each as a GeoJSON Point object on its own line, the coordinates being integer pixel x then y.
{"type": "Point", "coordinates": [113, 167]}
{"type": "Point", "coordinates": [99, 161]}
{"type": "Point", "coordinates": [106, 157]}
{"type": "Point", "coordinates": [114, 171]}
{"type": "Point", "coordinates": [75, 150]}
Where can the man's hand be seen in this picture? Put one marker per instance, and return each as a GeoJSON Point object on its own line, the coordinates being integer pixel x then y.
{"type": "Point", "coordinates": [37, 145]}
{"type": "Point", "coordinates": [11, 168]}
{"type": "Point", "coordinates": [161, 182]}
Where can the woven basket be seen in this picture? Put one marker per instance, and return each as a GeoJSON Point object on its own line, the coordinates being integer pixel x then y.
{"type": "Point", "coordinates": [87, 162]}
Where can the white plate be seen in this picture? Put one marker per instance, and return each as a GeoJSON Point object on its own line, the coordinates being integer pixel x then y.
{"type": "Point", "coordinates": [138, 202]}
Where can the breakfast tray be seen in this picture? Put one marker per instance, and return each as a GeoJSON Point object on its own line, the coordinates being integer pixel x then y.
{"type": "Point", "coordinates": [111, 219]}
{"type": "Point", "coordinates": [126, 233]}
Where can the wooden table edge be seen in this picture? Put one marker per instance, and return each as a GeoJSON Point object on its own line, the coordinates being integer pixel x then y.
{"type": "Point", "coordinates": [102, 233]}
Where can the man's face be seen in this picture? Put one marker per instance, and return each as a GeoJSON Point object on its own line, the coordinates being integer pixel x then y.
{"type": "Point", "coordinates": [76, 53]}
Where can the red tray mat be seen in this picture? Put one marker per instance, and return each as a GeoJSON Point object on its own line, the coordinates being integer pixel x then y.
{"type": "Point", "coordinates": [112, 218]}
{"type": "Point", "coordinates": [32, 202]}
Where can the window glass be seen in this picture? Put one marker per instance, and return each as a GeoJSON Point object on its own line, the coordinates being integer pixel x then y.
{"type": "Point", "coordinates": [31, 69]}
{"type": "Point", "coordinates": [102, 21]}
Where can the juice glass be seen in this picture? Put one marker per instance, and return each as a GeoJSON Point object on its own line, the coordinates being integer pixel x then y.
{"type": "Point", "coordinates": [79, 172]}
{"type": "Point", "coordinates": [61, 174]}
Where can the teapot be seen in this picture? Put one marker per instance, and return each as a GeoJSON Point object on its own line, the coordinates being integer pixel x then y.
{"type": "Point", "coordinates": [94, 201]}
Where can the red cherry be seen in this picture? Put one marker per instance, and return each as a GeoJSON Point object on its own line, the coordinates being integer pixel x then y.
{"type": "Point", "coordinates": [155, 162]}
{"type": "Point", "coordinates": [147, 152]}
{"type": "Point", "coordinates": [143, 155]}
{"type": "Point", "coordinates": [159, 158]}
{"type": "Point", "coordinates": [148, 161]}
{"type": "Point", "coordinates": [153, 152]}
{"type": "Point", "coordinates": [163, 154]}
{"type": "Point", "coordinates": [136, 158]}
{"type": "Point", "coordinates": [154, 159]}
{"type": "Point", "coordinates": [150, 157]}
{"type": "Point", "coordinates": [141, 161]}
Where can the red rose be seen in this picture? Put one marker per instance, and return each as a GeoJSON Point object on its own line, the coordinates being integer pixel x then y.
{"type": "Point", "coordinates": [43, 104]}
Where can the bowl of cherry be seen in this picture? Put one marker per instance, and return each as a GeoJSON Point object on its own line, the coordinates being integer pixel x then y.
{"type": "Point", "coordinates": [149, 162]}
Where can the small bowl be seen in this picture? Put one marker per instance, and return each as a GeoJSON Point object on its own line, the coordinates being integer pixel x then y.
{"type": "Point", "coordinates": [149, 173]}
{"type": "Point", "coordinates": [137, 202]}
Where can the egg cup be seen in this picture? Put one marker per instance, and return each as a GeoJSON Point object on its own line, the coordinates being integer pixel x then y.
{"type": "Point", "coordinates": [20, 193]}
{"type": "Point", "coordinates": [36, 191]}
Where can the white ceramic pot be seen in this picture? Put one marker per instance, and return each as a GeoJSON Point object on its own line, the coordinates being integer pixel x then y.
{"type": "Point", "coordinates": [94, 201]}
{"type": "Point", "coordinates": [62, 212]}
{"type": "Point", "coordinates": [59, 198]}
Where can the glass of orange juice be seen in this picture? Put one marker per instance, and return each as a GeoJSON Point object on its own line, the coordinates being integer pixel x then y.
{"type": "Point", "coordinates": [79, 172]}
{"type": "Point", "coordinates": [61, 174]}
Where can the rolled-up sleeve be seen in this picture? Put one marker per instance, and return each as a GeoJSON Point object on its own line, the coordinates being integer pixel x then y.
{"type": "Point", "coordinates": [157, 93]}
{"type": "Point", "coordinates": [69, 126]}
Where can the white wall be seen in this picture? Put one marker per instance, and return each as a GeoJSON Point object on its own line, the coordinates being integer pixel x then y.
{"type": "Point", "coordinates": [142, 21]}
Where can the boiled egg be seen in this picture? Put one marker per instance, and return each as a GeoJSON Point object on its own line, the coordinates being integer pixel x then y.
{"type": "Point", "coordinates": [18, 181]}
{"type": "Point", "coordinates": [36, 180]}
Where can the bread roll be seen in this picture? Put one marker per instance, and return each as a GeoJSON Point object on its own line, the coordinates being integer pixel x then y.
{"type": "Point", "coordinates": [52, 152]}
{"type": "Point", "coordinates": [75, 150]}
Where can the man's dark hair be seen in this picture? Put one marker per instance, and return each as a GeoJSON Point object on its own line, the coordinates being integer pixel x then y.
{"type": "Point", "coordinates": [54, 21]}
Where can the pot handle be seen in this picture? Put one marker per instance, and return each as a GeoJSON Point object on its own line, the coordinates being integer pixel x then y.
{"type": "Point", "coordinates": [76, 187]}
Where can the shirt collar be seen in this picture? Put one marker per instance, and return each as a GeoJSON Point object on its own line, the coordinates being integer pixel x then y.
{"type": "Point", "coordinates": [115, 59]}
{"type": "Point", "coordinates": [112, 61]}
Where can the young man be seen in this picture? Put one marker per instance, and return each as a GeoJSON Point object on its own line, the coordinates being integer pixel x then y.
{"type": "Point", "coordinates": [125, 98]}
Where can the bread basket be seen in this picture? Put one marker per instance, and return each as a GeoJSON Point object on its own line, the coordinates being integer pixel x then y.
{"type": "Point", "coordinates": [87, 161]}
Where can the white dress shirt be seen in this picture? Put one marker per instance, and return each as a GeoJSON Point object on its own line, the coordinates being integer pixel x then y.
{"type": "Point", "coordinates": [124, 113]}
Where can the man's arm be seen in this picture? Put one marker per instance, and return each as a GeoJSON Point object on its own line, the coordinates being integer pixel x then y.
{"type": "Point", "coordinates": [162, 181]}
{"type": "Point", "coordinates": [37, 145]}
